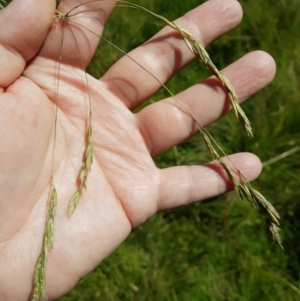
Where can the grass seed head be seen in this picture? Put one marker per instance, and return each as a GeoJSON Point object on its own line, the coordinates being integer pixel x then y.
{"type": "Point", "coordinates": [74, 202]}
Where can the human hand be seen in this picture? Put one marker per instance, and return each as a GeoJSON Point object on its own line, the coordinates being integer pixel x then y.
{"type": "Point", "coordinates": [125, 187]}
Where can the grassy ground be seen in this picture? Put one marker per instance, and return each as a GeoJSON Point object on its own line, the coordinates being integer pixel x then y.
{"type": "Point", "coordinates": [217, 250]}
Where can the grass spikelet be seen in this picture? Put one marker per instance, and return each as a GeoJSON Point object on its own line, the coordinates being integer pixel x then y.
{"type": "Point", "coordinates": [275, 236]}
{"type": "Point", "coordinates": [89, 150]}
{"type": "Point", "coordinates": [73, 203]}
{"type": "Point", "coordinates": [39, 291]}
{"type": "Point", "coordinates": [50, 222]}
{"type": "Point", "coordinates": [272, 216]}
{"type": "Point", "coordinates": [83, 176]}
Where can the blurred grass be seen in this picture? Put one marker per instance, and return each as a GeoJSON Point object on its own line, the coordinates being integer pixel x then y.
{"type": "Point", "coordinates": [217, 250]}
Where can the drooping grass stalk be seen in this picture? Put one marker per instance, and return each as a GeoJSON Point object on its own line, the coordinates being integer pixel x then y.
{"type": "Point", "coordinates": [242, 186]}
{"type": "Point", "coordinates": [201, 54]}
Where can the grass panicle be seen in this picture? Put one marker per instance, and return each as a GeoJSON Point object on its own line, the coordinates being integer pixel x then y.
{"type": "Point", "coordinates": [88, 161]}
{"type": "Point", "coordinates": [244, 189]}
{"type": "Point", "coordinates": [83, 173]}
{"type": "Point", "coordinates": [39, 285]}
{"type": "Point", "coordinates": [201, 54]}
{"type": "Point", "coordinates": [199, 51]}
{"type": "Point", "coordinates": [228, 230]}
{"type": "Point", "coordinates": [242, 186]}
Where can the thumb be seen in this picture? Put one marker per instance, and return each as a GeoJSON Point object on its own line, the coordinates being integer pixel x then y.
{"type": "Point", "coordinates": [24, 27]}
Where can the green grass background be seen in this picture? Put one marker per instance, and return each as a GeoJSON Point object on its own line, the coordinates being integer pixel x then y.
{"type": "Point", "coordinates": [217, 249]}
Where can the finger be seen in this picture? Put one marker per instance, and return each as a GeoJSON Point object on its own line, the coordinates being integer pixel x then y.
{"type": "Point", "coordinates": [166, 123]}
{"type": "Point", "coordinates": [183, 185]}
{"type": "Point", "coordinates": [26, 25]}
{"type": "Point", "coordinates": [79, 27]}
{"type": "Point", "coordinates": [166, 53]}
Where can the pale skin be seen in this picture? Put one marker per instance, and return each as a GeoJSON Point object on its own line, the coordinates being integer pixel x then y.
{"type": "Point", "coordinates": [125, 188]}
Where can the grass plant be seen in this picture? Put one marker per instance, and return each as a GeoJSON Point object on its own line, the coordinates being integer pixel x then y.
{"type": "Point", "coordinates": [215, 254]}
{"type": "Point", "coordinates": [241, 185]}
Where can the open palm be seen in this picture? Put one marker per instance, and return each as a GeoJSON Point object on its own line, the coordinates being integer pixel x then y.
{"type": "Point", "coordinates": [124, 187]}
